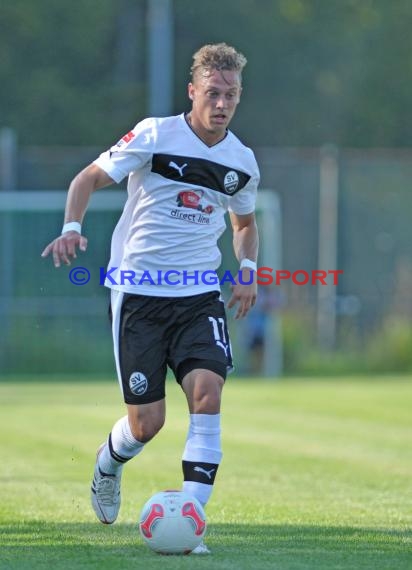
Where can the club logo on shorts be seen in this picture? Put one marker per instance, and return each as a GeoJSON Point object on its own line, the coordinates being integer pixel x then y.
{"type": "Point", "coordinates": [231, 181]}
{"type": "Point", "coordinates": [138, 383]}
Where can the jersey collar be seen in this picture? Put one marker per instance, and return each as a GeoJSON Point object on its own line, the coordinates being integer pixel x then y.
{"type": "Point", "coordinates": [188, 126]}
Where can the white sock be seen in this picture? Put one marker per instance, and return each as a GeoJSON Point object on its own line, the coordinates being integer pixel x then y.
{"type": "Point", "coordinates": [121, 447]}
{"type": "Point", "coordinates": [202, 455]}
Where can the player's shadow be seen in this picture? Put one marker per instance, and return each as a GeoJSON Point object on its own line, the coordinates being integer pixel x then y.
{"type": "Point", "coordinates": [34, 545]}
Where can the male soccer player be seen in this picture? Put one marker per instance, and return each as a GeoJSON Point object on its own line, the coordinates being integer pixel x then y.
{"type": "Point", "coordinates": [184, 172]}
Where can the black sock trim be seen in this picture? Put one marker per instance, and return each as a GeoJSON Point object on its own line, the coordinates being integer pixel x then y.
{"type": "Point", "coordinates": [115, 455]}
{"type": "Point", "coordinates": [199, 472]}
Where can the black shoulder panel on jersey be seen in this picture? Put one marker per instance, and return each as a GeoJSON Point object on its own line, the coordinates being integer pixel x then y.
{"type": "Point", "coordinates": [200, 172]}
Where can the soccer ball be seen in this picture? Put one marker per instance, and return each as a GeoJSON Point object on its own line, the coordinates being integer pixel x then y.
{"type": "Point", "coordinates": [172, 522]}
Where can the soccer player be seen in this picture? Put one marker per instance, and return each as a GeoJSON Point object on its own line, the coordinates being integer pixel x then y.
{"type": "Point", "coordinates": [184, 173]}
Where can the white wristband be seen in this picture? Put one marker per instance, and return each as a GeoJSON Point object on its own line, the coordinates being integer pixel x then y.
{"type": "Point", "coordinates": [248, 263]}
{"type": "Point", "coordinates": [72, 227]}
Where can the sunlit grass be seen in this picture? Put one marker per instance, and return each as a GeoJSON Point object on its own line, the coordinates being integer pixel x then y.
{"type": "Point", "coordinates": [315, 475]}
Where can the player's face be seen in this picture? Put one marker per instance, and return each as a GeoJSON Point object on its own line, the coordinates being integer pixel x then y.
{"type": "Point", "coordinates": [215, 97]}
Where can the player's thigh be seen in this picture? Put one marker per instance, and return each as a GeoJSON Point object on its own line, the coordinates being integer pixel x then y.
{"type": "Point", "coordinates": [140, 350]}
{"type": "Point", "coordinates": [203, 338]}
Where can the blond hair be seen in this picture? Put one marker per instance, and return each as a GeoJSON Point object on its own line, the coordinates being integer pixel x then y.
{"type": "Point", "coordinates": [217, 56]}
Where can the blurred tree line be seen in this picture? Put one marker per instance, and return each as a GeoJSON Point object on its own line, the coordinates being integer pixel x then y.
{"type": "Point", "coordinates": [338, 71]}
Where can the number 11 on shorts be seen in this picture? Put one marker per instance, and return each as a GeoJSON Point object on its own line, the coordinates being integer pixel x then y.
{"type": "Point", "coordinates": [219, 332]}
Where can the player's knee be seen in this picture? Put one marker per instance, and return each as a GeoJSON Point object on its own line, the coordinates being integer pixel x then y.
{"type": "Point", "coordinates": [206, 395]}
{"type": "Point", "coordinates": [145, 427]}
{"type": "Point", "coordinates": [145, 430]}
{"type": "Point", "coordinates": [207, 403]}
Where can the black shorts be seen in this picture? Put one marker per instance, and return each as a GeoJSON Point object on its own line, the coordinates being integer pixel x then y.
{"type": "Point", "coordinates": [151, 333]}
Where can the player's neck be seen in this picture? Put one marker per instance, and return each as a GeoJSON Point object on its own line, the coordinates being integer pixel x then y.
{"type": "Point", "coordinates": [210, 138]}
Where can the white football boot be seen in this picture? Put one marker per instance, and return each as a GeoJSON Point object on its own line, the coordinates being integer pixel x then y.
{"type": "Point", "coordinates": [105, 493]}
{"type": "Point", "coordinates": [201, 549]}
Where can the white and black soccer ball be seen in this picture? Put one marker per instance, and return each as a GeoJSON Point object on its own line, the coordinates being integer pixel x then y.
{"type": "Point", "coordinates": [172, 522]}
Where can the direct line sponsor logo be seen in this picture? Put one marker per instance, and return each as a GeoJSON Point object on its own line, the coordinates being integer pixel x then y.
{"type": "Point", "coordinates": [265, 276]}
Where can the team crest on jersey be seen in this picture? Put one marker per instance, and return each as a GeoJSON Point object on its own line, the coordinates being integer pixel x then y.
{"type": "Point", "coordinates": [231, 181]}
{"type": "Point", "coordinates": [138, 383]}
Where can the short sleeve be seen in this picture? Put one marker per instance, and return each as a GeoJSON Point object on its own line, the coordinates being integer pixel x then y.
{"type": "Point", "coordinates": [244, 202]}
{"type": "Point", "coordinates": [132, 152]}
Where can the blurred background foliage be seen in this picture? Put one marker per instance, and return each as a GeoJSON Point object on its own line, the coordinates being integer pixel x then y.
{"type": "Point", "coordinates": [319, 70]}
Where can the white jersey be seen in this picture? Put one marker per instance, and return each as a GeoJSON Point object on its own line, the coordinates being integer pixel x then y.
{"type": "Point", "coordinates": [165, 243]}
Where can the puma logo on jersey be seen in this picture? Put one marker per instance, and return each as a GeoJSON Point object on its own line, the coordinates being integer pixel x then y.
{"type": "Point", "coordinates": [201, 470]}
{"type": "Point", "coordinates": [178, 168]}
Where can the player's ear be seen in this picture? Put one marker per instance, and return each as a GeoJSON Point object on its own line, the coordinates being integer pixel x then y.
{"type": "Point", "coordinates": [190, 91]}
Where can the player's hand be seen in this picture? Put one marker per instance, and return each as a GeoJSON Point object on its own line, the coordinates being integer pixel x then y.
{"type": "Point", "coordinates": [64, 248]}
{"type": "Point", "coordinates": [244, 295]}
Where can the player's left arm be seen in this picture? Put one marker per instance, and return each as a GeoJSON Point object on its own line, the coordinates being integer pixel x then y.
{"type": "Point", "coordinates": [245, 245]}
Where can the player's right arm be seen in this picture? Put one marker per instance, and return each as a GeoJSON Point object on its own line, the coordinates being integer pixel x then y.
{"type": "Point", "coordinates": [63, 248]}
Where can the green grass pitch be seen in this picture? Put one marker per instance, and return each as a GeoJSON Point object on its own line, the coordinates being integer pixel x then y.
{"type": "Point", "coordinates": [316, 475]}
